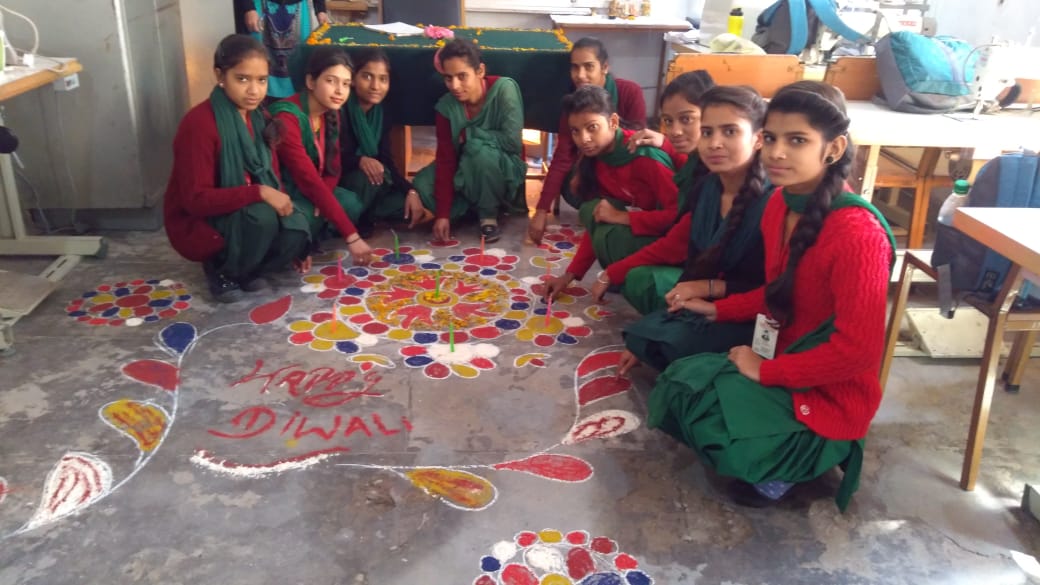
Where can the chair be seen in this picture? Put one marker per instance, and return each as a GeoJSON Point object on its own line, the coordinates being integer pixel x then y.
{"type": "Point", "coordinates": [898, 168]}
{"type": "Point", "coordinates": [1025, 324]}
{"type": "Point", "coordinates": [765, 73]}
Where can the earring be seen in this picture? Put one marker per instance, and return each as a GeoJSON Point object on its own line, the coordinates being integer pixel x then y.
{"type": "Point", "coordinates": [829, 160]}
{"type": "Point", "coordinates": [221, 84]}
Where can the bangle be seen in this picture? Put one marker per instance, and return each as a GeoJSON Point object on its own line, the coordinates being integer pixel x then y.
{"type": "Point", "coordinates": [349, 242]}
{"type": "Point", "coordinates": [600, 280]}
{"type": "Point", "coordinates": [711, 291]}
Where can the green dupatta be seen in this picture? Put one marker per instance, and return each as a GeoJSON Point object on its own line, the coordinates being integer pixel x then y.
{"type": "Point", "coordinates": [611, 86]}
{"type": "Point", "coordinates": [240, 152]}
{"type": "Point", "coordinates": [303, 117]}
{"type": "Point", "coordinates": [620, 156]}
{"type": "Point", "coordinates": [366, 126]}
{"type": "Point", "coordinates": [707, 225]}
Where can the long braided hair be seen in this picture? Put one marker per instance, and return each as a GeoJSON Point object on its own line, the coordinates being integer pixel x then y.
{"type": "Point", "coordinates": [753, 108]}
{"type": "Point", "coordinates": [321, 59]}
{"type": "Point", "coordinates": [824, 108]}
{"type": "Point", "coordinates": [595, 100]}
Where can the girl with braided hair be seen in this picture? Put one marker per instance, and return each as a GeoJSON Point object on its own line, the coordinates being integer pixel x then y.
{"type": "Point", "coordinates": [714, 249]}
{"type": "Point", "coordinates": [309, 151]}
{"type": "Point", "coordinates": [771, 422]}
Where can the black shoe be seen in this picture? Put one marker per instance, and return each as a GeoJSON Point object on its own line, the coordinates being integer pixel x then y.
{"type": "Point", "coordinates": [254, 284]}
{"type": "Point", "coordinates": [744, 494]}
{"type": "Point", "coordinates": [223, 289]}
{"type": "Point", "coordinates": [490, 232]}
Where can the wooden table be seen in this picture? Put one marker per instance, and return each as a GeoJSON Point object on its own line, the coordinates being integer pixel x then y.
{"type": "Point", "coordinates": [1013, 233]}
{"type": "Point", "coordinates": [874, 126]}
{"type": "Point", "coordinates": [19, 293]}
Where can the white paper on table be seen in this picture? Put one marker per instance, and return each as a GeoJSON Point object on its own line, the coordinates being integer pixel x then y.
{"type": "Point", "coordinates": [400, 29]}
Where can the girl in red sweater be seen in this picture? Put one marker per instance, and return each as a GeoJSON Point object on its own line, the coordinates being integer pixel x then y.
{"type": "Point", "coordinates": [309, 151]}
{"type": "Point", "coordinates": [775, 416]}
{"type": "Point", "coordinates": [224, 205]}
{"type": "Point", "coordinates": [589, 66]}
{"type": "Point", "coordinates": [630, 197]}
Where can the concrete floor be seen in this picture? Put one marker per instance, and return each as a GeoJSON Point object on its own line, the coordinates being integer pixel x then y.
{"type": "Point", "coordinates": [190, 478]}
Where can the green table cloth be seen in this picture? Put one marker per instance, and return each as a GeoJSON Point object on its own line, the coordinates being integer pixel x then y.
{"type": "Point", "coordinates": [537, 59]}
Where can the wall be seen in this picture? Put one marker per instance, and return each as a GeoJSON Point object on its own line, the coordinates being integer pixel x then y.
{"type": "Point", "coordinates": [976, 21]}
{"type": "Point", "coordinates": [207, 22]}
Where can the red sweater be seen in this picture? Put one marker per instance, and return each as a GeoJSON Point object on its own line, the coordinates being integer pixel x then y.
{"type": "Point", "coordinates": [643, 183]}
{"type": "Point", "coordinates": [631, 109]}
{"type": "Point", "coordinates": [316, 184]}
{"type": "Point", "coordinates": [193, 193]}
{"type": "Point", "coordinates": [845, 275]}
{"type": "Point", "coordinates": [448, 161]}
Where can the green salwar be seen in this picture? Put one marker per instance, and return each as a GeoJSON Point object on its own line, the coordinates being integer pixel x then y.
{"type": "Point", "coordinates": [257, 240]}
{"type": "Point", "coordinates": [746, 430]}
{"type": "Point", "coordinates": [660, 338]}
{"type": "Point", "coordinates": [490, 175]}
{"type": "Point", "coordinates": [319, 227]}
{"type": "Point", "coordinates": [611, 242]}
{"type": "Point", "coordinates": [645, 286]}
{"type": "Point", "coordinates": [382, 202]}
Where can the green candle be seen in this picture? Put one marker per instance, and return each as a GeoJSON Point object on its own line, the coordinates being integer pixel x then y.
{"type": "Point", "coordinates": [437, 291]}
{"type": "Point", "coordinates": [451, 336]}
{"type": "Point", "coordinates": [397, 247]}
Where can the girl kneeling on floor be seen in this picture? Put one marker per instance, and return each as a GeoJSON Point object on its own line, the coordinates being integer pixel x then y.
{"type": "Point", "coordinates": [224, 204]}
{"type": "Point", "coordinates": [716, 241]}
{"type": "Point", "coordinates": [309, 150]}
{"type": "Point", "coordinates": [788, 417]}
{"type": "Point", "coordinates": [630, 197]}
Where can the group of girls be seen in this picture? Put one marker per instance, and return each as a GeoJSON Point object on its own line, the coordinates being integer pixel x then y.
{"type": "Point", "coordinates": [731, 230]}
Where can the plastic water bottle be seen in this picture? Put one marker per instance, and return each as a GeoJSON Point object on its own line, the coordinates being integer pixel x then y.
{"type": "Point", "coordinates": [955, 200]}
{"type": "Point", "coordinates": [735, 23]}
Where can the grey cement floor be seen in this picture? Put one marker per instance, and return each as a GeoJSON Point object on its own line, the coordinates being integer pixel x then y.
{"type": "Point", "coordinates": [185, 503]}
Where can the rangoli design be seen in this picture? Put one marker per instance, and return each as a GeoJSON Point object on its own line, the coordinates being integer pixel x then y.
{"type": "Point", "coordinates": [130, 303]}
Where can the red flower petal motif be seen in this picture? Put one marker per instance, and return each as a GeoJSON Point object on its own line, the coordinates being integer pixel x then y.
{"type": "Point", "coordinates": [271, 311]}
{"type": "Point", "coordinates": [625, 562]}
{"type": "Point", "coordinates": [482, 363]}
{"type": "Point", "coordinates": [515, 574]}
{"type": "Point", "coordinates": [579, 563]}
{"type": "Point", "coordinates": [485, 580]}
{"type": "Point", "coordinates": [375, 328]}
{"type": "Point", "coordinates": [361, 319]}
{"type": "Point", "coordinates": [485, 332]}
{"type": "Point", "coordinates": [329, 293]}
{"type": "Point", "coordinates": [526, 539]}
{"type": "Point", "coordinates": [153, 373]}
{"type": "Point", "coordinates": [460, 337]}
{"type": "Point", "coordinates": [604, 545]}
{"type": "Point", "coordinates": [598, 361]}
{"type": "Point", "coordinates": [579, 331]}
{"type": "Point", "coordinates": [301, 338]}
{"type": "Point", "coordinates": [413, 350]}
{"type": "Point", "coordinates": [544, 340]}
{"type": "Point", "coordinates": [437, 371]}
{"type": "Point", "coordinates": [321, 317]}
{"type": "Point", "coordinates": [558, 467]}
{"type": "Point", "coordinates": [577, 537]}
{"type": "Point", "coordinates": [602, 387]}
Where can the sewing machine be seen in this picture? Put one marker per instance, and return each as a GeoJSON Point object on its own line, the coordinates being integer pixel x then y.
{"type": "Point", "coordinates": [873, 19]}
{"type": "Point", "coordinates": [998, 68]}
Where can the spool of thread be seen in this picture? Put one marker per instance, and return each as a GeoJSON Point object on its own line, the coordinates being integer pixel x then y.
{"type": "Point", "coordinates": [735, 23]}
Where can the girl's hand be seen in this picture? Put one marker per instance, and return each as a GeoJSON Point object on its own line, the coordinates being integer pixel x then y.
{"type": "Point", "coordinates": [253, 22]}
{"type": "Point", "coordinates": [684, 291]}
{"type": "Point", "coordinates": [442, 229]}
{"type": "Point", "coordinates": [413, 208]}
{"type": "Point", "coordinates": [607, 213]}
{"type": "Point", "coordinates": [360, 252]}
{"type": "Point", "coordinates": [645, 138]}
{"type": "Point", "coordinates": [303, 266]}
{"type": "Point", "coordinates": [626, 362]}
{"type": "Point", "coordinates": [556, 284]}
{"type": "Point", "coordinates": [747, 361]}
{"type": "Point", "coordinates": [536, 226]}
{"type": "Point", "coordinates": [323, 17]}
{"type": "Point", "coordinates": [699, 306]}
{"type": "Point", "coordinates": [373, 169]}
{"type": "Point", "coordinates": [281, 202]}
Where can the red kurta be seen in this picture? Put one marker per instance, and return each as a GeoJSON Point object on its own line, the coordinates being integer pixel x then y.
{"type": "Point", "coordinates": [316, 184]}
{"type": "Point", "coordinates": [845, 275]}
{"type": "Point", "coordinates": [631, 109]}
{"type": "Point", "coordinates": [193, 192]}
{"type": "Point", "coordinates": [643, 183]}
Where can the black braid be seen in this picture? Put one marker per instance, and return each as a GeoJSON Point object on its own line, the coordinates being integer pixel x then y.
{"type": "Point", "coordinates": [780, 292]}
{"type": "Point", "coordinates": [274, 131]}
{"type": "Point", "coordinates": [706, 265]}
{"type": "Point", "coordinates": [824, 107]}
{"type": "Point", "coordinates": [332, 130]}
